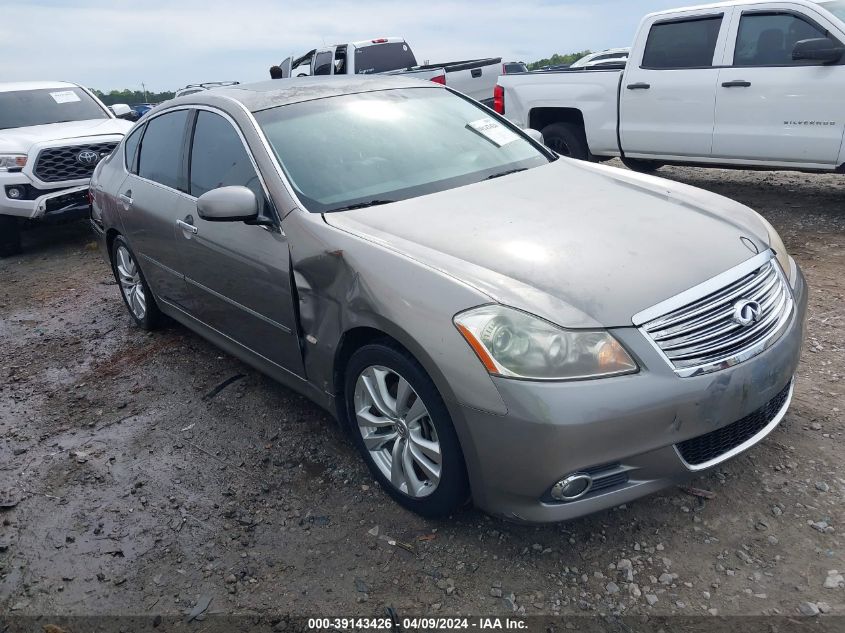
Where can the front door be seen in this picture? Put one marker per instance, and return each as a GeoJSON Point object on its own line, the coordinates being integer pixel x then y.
{"type": "Point", "coordinates": [770, 107]}
{"type": "Point", "coordinates": [237, 274]}
{"type": "Point", "coordinates": [668, 88]}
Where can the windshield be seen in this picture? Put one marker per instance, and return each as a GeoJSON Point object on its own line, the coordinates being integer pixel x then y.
{"type": "Point", "coordinates": [837, 8]}
{"type": "Point", "coordinates": [390, 145]}
{"type": "Point", "coordinates": [382, 58]}
{"type": "Point", "coordinates": [22, 108]}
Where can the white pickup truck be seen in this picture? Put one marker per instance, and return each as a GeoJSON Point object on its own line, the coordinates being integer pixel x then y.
{"type": "Point", "coordinates": [749, 83]}
{"type": "Point", "coordinates": [52, 135]}
{"type": "Point", "coordinates": [393, 55]}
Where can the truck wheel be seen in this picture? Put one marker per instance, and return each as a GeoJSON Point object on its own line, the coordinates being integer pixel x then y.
{"type": "Point", "coordinates": [404, 431]}
{"type": "Point", "coordinates": [10, 236]}
{"type": "Point", "coordinates": [642, 166]}
{"type": "Point", "coordinates": [567, 139]}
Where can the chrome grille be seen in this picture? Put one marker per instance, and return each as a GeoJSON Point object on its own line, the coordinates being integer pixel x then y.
{"type": "Point", "coordinates": [707, 335]}
{"type": "Point", "coordinates": [57, 164]}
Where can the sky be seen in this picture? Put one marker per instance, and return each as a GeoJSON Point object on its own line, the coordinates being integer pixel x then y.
{"type": "Point", "coordinates": [167, 44]}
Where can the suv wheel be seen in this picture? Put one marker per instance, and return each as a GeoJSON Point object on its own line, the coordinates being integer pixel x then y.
{"type": "Point", "coordinates": [404, 431]}
{"type": "Point", "coordinates": [10, 236]}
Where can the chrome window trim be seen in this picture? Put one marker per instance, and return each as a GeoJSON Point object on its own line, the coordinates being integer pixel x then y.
{"type": "Point", "coordinates": [751, 441]}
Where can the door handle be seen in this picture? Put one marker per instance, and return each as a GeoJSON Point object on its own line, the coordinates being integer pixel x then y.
{"type": "Point", "coordinates": [739, 83]}
{"type": "Point", "coordinates": [187, 227]}
{"type": "Point", "coordinates": [126, 198]}
{"type": "Point", "coordinates": [639, 86]}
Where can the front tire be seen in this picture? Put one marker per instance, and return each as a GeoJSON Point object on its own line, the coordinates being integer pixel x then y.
{"type": "Point", "coordinates": [404, 432]}
{"type": "Point", "coordinates": [134, 289]}
{"type": "Point", "coordinates": [642, 166]}
{"type": "Point", "coordinates": [10, 236]}
{"type": "Point", "coordinates": [567, 139]}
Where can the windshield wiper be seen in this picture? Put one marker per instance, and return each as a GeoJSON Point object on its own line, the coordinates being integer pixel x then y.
{"type": "Point", "coordinates": [506, 173]}
{"type": "Point", "coordinates": [361, 205]}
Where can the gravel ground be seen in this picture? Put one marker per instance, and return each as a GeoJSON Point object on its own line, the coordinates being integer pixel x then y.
{"type": "Point", "coordinates": [130, 483]}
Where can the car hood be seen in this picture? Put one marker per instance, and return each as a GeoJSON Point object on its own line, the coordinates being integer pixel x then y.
{"type": "Point", "coordinates": [21, 139]}
{"type": "Point", "coordinates": [579, 244]}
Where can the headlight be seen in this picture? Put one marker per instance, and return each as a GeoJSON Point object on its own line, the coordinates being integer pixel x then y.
{"type": "Point", "coordinates": [12, 161]}
{"type": "Point", "coordinates": [777, 245]}
{"type": "Point", "coordinates": [517, 345]}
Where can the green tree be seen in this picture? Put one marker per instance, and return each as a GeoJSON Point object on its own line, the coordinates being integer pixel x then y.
{"type": "Point", "coordinates": [132, 96]}
{"type": "Point", "coordinates": [557, 59]}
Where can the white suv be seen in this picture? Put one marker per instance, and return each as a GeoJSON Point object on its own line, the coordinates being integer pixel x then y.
{"type": "Point", "coordinates": [52, 135]}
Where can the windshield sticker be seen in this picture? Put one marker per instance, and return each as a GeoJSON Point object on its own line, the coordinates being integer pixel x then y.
{"type": "Point", "coordinates": [493, 131]}
{"type": "Point", "coordinates": [65, 96]}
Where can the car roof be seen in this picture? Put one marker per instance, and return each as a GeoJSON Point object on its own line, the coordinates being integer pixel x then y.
{"type": "Point", "coordinates": [278, 92]}
{"type": "Point", "coordinates": [13, 86]}
{"type": "Point", "coordinates": [733, 3]}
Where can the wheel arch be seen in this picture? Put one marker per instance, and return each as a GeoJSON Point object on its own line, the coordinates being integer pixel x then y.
{"type": "Point", "coordinates": [538, 118]}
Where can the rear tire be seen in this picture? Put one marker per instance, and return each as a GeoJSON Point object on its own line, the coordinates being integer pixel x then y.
{"type": "Point", "coordinates": [408, 442]}
{"type": "Point", "coordinates": [133, 286]}
{"type": "Point", "coordinates": [642, 166]}
{"type": "Point", "coordinates": [10, 236]}
{"type": "Point", "coordinates": [567, 139]}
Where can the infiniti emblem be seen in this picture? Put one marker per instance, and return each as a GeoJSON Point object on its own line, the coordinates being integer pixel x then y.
{"type": "Point", "coordinates": [87, 157]}
{"type": "Point", "coordinates": [747, 312]}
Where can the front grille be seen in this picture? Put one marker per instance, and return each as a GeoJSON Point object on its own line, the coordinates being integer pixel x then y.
{"type": "Point", "coordinates": [704, 448]}
{"type": "Point", "coordinates": [57, 164]}
{"type": "Point", "coordinates": [706, 334]}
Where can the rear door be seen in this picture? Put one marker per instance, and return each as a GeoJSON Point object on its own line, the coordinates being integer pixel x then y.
{"type": "Point", "coordinates": [153, 196]}
{"type": "Point", "coordinates": [771, 108]}
{"type": "Point", "coordinates": [237, 274]}
{"type": "Point", "coordinates": [668, 90]}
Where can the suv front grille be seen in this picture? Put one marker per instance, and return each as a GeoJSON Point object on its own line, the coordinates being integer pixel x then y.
{"type": "Point", "coordinates": [704, 448]}
{"type": "Point", "coordinates": [58, 164]}
{"type": "Point", "coordinates": [707, 334]}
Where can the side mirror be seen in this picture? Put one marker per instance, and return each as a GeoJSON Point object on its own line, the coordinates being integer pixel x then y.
{"type": "Point", "coordinates": [821, 49]}
{"type": "Point", "coordinates": [535, 135]}
{"type": "Point", "coordinates": [228, 204]}
{"type": "Point", "coordinates": [121, 110]}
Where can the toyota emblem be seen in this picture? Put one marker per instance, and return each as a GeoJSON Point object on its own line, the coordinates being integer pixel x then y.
{"type": "Point", "coordinates": [747, 312]}
{"type": "Point", "coordinates": [87, 157]}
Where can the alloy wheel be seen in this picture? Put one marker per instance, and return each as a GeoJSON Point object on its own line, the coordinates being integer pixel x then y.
{"type": "Point", "coordinates": [130, 282]}
{"type": "Point", "coordinates": [397, 431]}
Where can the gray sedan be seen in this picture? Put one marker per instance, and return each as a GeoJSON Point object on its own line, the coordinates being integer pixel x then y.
{"type": "Point", "coordinates": [543, 336]}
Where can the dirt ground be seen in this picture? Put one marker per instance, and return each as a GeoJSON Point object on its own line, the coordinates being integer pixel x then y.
{"type": "Point", "coordinates": [132, 483]}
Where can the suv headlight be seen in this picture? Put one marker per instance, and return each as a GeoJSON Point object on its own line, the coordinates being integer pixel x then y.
{"type": "Point", "coordinates": [515, 344]}
{"type": "Point", "coordinates": [12, 161]}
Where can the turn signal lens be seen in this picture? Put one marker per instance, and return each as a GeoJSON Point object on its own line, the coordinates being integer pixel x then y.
{"type": "Point", "coordinates": [515, 344]}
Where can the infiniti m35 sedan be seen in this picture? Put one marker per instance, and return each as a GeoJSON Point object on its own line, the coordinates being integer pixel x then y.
{"type": "Point", "coordinates": [492, 322]}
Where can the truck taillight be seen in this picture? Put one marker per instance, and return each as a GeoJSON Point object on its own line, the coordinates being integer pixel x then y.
{"type": "Point", "coordinates": [499, 99]}
{"type": "Point", "coordinates": [439, 79]}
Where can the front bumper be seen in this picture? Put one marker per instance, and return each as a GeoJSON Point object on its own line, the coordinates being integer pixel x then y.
{"type": "Point", "coordinates": [63, 201]}
{"type": "Point", "coordinates": [625, 427]}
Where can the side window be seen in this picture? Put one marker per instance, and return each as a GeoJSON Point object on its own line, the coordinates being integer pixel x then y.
{"type": "Point", "coordinates": [682, 43]}
{"type": "Point", "coordinates": [323, 63]}
{"type": "Point", "coordinates": [160, 158]}
{"type": "Point", "coordinates": [767, 39]}
{"type": "Point", "coordinates": [130, 150]}
{"type": "Point", "coordinates": [219, 159]}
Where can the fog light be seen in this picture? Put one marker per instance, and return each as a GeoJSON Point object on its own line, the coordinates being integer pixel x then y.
{"type": "Point", "coordinates": [14, 193]}
{"type": "Point", "coordinates": [573, 487]}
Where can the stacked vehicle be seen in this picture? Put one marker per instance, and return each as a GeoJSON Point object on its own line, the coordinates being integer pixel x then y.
{"type": "Point", "coordinates": [393, 55]}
